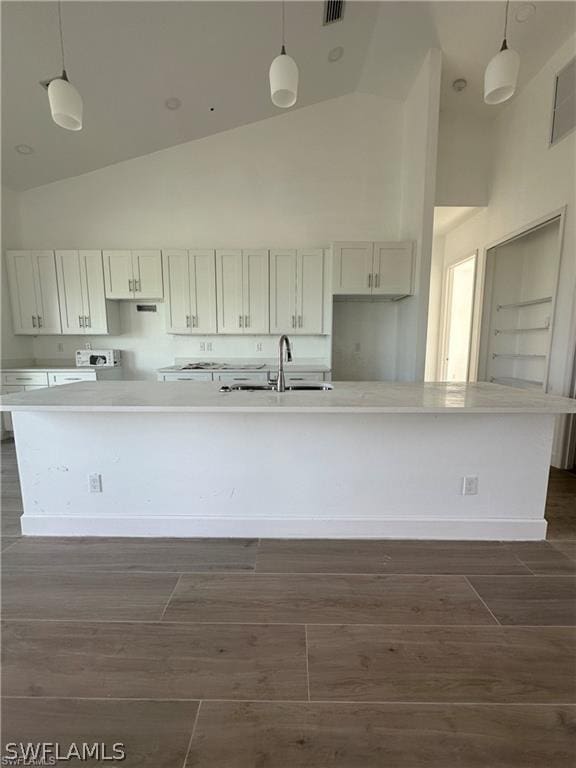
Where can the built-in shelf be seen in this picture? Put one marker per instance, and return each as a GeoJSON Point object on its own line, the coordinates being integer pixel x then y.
{"type": "Point", "coordinates": [499, 331]}
{"type": "Point", "coordinates": [512, 356]}
{"type": "Point", "coordinates": [514, 382]}
{"type": "Point", "coordinates": [530, 303]}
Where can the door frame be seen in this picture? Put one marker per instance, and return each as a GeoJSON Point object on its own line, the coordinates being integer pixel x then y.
{"type": "Point", "coordinates": [447, 282]}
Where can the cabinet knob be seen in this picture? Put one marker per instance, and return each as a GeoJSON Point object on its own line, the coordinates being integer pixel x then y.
{"type": "Point", "coordinates": [81, 321]}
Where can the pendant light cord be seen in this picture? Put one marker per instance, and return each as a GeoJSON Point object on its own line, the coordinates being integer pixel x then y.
{"type": "Point", "coordinates": [61, 35]}
{"type": "Point", "coordinates": [505, 42]}
{"type": "Point", "coordinates": [283, 34]}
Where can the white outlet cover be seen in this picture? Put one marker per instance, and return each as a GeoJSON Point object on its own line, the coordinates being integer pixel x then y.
{"type": "Point", "coordinates": [470, 485]}
{"type": "Point", "coordinates": [95, 483]}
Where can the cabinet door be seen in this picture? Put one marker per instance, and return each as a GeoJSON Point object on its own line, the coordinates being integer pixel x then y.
{"type": "Point", "coordinates": [352, 268]}
{"type": "Point", "coordinates": [69, 266]}
{"type": "Point", "coordinates": [118, 274]}
{"type": "Point", "coordinates": [147, 267]}
{"type": "Point", "coordinates": [283, 311]}
{"type": "Point", "coordinates": [179, 312]}
{"type": "Point", "coordinates": [22, 285]}
{"type": "Point", "coordinates": [393, 269]}
{"type": "Point", "coordinates": [47, 293]}
{"type": "Point", "coordinates": [203, 291]}
{"type": "Point", "coordinates": [96, 316]}
{"type": "Point", "coordinates": [229, 291]}
{"type": "Point", "coordinates": [310, 290]}
{"type": "Point", "coordinates": [256, 292]}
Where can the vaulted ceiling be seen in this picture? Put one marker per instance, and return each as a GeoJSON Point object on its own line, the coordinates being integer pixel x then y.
{"type": "Point", "coordinates": [127, 58]}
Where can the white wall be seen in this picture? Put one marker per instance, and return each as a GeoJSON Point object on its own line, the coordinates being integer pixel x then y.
{"type": "Point", "coordinates": [464, 160]}
{"type": "Point", "coordinates": [14, 348]}
{"type": "Point", "coordinates": [364, 341]}
{"type": "Point", "coordinates": [420, 138]}
{"type": "Point", "coordinates": [309, 177]}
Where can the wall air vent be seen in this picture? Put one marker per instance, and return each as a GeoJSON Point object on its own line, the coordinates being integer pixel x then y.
{"type": "Point", "coordinates": [333, 11]}
{"type": "Point", "coordinates": [564, 111]}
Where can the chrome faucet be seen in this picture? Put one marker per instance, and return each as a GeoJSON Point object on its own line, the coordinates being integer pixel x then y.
{"type": "Point", "coordinates": [284, 343]}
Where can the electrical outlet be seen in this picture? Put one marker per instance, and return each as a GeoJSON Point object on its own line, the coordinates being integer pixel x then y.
{"type": "Point", "coordinates": [88, 345]}
{"type": "Point", "coordinates": [470, 485]}
{"type": "Point", "coordinates": [259, 347]}
{"type": "Point", "coordinates": [209, 346]}
{"type": "Point", "coordinates": [202, 346]}
{"type": "Point", "coordinates": [95, 483]}
{"type": "Point", "coordinates": [60, 347]}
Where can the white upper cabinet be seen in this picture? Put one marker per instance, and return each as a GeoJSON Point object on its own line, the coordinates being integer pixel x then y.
{"type": "Point", "coordinates": [133, 274]}
{"type": "Point", "coordinates": [82, 297]}
{"type": "Point", "coordinates": [34, 292]}
{"type": "Point", "coordinates": [242, 282]}
{"type": "Point", "coordinates": [297, 291]}
{"type": "Point", "coordinates": [393, 270]}
{"type": "Point", "coordinates": [190, 279]}
{"type": "Point", "coordinates": [374, 269]}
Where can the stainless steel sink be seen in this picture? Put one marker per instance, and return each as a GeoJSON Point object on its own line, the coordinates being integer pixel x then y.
{"type": "Point", "coordinates": [312, 386]}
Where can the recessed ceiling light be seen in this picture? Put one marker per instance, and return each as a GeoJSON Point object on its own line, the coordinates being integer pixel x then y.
{"type": "Point", "coordinates": [173, 102]}
{"type": "Point", "coordinates": [24, 149]}
{"type": "Point", "coordinates": [524, 12]}
{"type": "Point", "coordinates": [459, 84]}
{"type": "Point", "coordinates": [335, 54]}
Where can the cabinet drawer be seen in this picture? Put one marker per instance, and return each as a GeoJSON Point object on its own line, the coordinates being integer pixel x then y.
{"type": "Point", "coordinates": [188, 376]}
{"type": "Point", "coordinates": [38, 378]}
{"type": "Point", "coordinates": [69, 378]}
{"type": "Point", "coordinates": [243, 376]}
{"type": "Point", "coordinates": [296, 377]}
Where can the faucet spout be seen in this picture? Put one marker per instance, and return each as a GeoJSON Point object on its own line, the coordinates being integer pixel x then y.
{"type": "Point", "coordinates": [284, 344]}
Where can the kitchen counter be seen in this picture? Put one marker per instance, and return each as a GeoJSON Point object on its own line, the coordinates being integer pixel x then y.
{"type": "Point", "coordinates": [345, 397]}
{"type": "Point", "coordinates": [365, 460]}
{"type": "Point", "coordinates": [244, 365]}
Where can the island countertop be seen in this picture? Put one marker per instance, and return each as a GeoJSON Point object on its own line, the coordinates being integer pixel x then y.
{"type": "Point", "coordinates": [345, 397]}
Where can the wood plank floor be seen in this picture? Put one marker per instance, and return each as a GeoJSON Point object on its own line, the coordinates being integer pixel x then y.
{"type": "Point", "coordinates": [293, 654]}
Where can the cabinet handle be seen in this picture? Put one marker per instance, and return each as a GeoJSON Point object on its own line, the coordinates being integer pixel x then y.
{"type": "Point", "coordinates": [195, 321]}
{"type": "Point", "coordinates": [369, 280]}
{"type": "Point", "coordinates": [246, 321]}
{"type": "Point", "coordinates": [300, 321]}
{"type": "Point", "coordinates": [187, 321]}
{"type": "Point", "coordinates": [87, 321]}
{"type": "Point", "coordinates": [81, 321]}
{"type": "Point", "coordinates": [377, 280]}
{"type": "Point", "coordinates": [293, 321]}
{"type": "Point", "coordinates": [33, 321]}
{"type": "Point", "coordinates": [138, 286]}
{"type": "Point", "coordinates": [39, 321]}
{"type": "Point", "coordinates": [130, 289]}
{"type": "Point", "coordinates": [240, 321]}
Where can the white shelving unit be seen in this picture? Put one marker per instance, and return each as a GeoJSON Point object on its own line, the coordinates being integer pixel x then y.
{"type": "Point", "coordinates": [518, 318]}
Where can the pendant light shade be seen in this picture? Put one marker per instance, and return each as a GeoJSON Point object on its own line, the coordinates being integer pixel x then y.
{"type": "Point", "coordinates": [501, 76]}
{"type": "Point", "coordinates": [65, 103]}
{"type": "Point", "coordinates": [284, 80]}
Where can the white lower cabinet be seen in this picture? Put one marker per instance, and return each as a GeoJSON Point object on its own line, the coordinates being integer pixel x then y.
{"type": "Point", "coordinates": [259, 376]}
{"type": "Point", "coordinates": [190, 280]}
{"type": "Point", "coordinates": [34, 292]}
{"type": "Point", "coordinates": [186, 376]}
{"type": "Point", "coordinates": [55, 378]}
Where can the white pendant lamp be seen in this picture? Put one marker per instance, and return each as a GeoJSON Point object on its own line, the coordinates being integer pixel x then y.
{"type": "Point", "coordinates": [65, 102]}
{"type": "Point", "coordinates": [283, 76]}
{"type": "Point", "coordinates": [501, 76]}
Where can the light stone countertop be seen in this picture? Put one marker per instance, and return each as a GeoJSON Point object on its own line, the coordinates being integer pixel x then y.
{"type": "Point", "coordinates": [244, 365]}
{"type": "Point", "coordinates": [346, 397]}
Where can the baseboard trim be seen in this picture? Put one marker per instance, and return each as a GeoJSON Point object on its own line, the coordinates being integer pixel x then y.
{"type": "Point", "coordinates": [307, 528]}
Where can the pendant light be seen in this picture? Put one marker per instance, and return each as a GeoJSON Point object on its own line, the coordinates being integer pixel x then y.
{"type": "Point", "coordinates": [283, 76]}
{"type": "Point", "coordinates": [65, 101]}
{"type": "Point", "coordinates": [501, 76]}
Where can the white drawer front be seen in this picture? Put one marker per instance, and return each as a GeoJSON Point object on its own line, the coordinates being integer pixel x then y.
{"type": "Point", "coordinates": [244, 376]}
{"type": "Point", "coordinates": [38, 378]}
{"type": "Point", "coordinates": [296, 377]}
{"type": "Point", "coordinates": [184, 376]}
{"type": "Point", "coordinates": [70, 378]}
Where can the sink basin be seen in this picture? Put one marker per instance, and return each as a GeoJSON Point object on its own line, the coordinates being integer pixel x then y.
{"type": "Point", "coordinates": [312, 386]}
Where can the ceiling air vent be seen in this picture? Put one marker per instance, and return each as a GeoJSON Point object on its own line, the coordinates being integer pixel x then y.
{"type": "Point", "coordinates": [333, 11]}
{"type": "Point", "coordinates": [564, 112]}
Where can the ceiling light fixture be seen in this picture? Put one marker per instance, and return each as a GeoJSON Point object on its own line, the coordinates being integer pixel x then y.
{"type": "Point", "coordinates": [283, 76]}
{"type": "Point", "coordinates": [459, 84]}
{"type": "Point", "coordinates": [24, 149]}
{"type": "Point", "coordinates": [501, 74]}
{"type": "Point", "coordinates": [65, 101]}
{"type": "Point", "coordinates": [335, 54]}
{"type": "Point", "coordinates": [173, 102]}
{"type": "Point", "coordinates": [525, 12]}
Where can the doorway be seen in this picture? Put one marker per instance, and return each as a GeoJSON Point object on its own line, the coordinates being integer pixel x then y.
{"type": "Point", "coordinates": [460, 283]}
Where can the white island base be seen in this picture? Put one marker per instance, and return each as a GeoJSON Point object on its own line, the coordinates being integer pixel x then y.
{"type": "Point", "coordinates": [353, 473]}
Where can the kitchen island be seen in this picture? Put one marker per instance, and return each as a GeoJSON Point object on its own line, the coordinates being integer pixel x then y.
{"type": "Point", "coordinates": [363, 460]}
